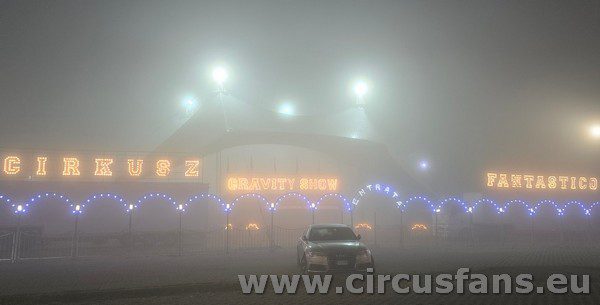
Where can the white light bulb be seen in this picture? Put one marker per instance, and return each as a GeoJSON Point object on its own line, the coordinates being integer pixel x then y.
{"type": "Point", "coordinates": [219, 75]}
{"type": "Point", "coordinates": [286, 109]}
{"type": "Point", "coordinates": [360, 89]}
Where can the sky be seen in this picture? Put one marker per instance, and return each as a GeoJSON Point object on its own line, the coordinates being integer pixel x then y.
{"type": "Point", "coordinates": [468, 85]}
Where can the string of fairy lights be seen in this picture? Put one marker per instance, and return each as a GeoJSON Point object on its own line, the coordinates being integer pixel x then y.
{"type": "Point", "coordinates": [128, 206]}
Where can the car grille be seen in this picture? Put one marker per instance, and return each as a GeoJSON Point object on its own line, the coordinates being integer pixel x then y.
{"type": "Point", "coordinates": [333, 261]}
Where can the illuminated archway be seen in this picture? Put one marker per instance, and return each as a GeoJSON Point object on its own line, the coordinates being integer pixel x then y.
{"type": "Point", "coordinates": [331, 208]}
{"type": "Point", "coordinates": [386, 190]}
{"type": "Point", "coordinates": [577, 220]}
{"type": "Point", "coordinates": [155, 217]}
{"type": "Point", "coordinates": [294, 211]}
{"type": "Point", "coordinates": [548, 223]}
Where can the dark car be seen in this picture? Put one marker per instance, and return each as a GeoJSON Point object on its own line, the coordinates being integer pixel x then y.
{"type": "Point", "coordinates": [332, 248]}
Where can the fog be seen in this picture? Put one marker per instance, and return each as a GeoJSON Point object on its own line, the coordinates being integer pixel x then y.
{"type": "Point", "coordinates": [467, 85]}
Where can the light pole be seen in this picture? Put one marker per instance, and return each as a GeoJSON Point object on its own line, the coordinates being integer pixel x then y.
{"type": "Point", "coordinates": [272, 239]}
{"type": "Point", "coordinates": [130, 210]}
{"type": "Point", "coordinates": [401, 228]}
{"type": "Point", "coordinates": [227, 227]}
{"type": "Point", "coordinates": [75, 241]}
{"type": "Point", "coordinates": [180, 210]}
{"type": "Point", "coordinates": [20, 209]}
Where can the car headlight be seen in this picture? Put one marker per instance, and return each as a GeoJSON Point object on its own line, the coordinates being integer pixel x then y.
{"type": "Point", "coordinates": [363, 256]}
{"type": "Point", "coordinates": [316, 257]}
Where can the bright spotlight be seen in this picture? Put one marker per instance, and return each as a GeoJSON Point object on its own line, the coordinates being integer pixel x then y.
{"type": "Point", "coordinates": [190, 104]}
{"type": "Point", "coordinates": [219, 75]}
{"type": "Point", "coordinates": [423, 165]}
{"type": "Point", "coordinates": [286, 109]}
{"type": "Point", "coordinates": [360, 90]}
{"type": "Point", "coordinates": [595, 131]}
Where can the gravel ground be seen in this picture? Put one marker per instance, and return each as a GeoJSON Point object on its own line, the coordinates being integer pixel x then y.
{"type": "Point", "coordinates": [212, 278]}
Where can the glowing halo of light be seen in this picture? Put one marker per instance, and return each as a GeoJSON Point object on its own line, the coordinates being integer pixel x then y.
{"type": "Point", "coordinates": [260, 197]}
{"type": "Point", "coordinates": [297, 195]}
{"type": "Point", "coordinates": [20, 208]}
{"type": "Point", "coordinates": [419, 227]}
{"type": "Point", "coordinates": [364, 226]}
{"type": "Point", "coordinates": [109, 196]}
{"type": "Point", "coordinates": [252, 227]}
{"type": "Point", "coordinates": [341, 197]}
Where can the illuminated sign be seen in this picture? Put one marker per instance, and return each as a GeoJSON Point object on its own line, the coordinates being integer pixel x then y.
{"type": "Point", "coordinates": [497, 180]}
{"type": "Point", "coordinates": [45, 166]}
{"type": "Point", "coordinates": [258, 184]}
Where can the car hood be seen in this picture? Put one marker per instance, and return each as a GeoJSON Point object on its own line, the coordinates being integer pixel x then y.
{"type": "Point", "coordinates": [337, 246]}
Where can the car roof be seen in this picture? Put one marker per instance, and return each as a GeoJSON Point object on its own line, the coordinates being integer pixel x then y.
{"type": "Point", "coordinates": [329, 225]}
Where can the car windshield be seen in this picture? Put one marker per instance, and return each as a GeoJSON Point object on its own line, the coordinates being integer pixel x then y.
{"type": "Point", "coordinates": [332, 233]}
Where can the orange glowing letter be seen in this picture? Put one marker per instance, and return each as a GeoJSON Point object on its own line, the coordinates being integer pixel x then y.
{"type": "Point", "coordinates": [12, 165]}
{"type": "Point", "coordinates": [163, 167]}
{"type": "Point", "coordinates": [41, 166]}
{"type": "Point", "coordinates": [515, 181]}
{"type": "Point", "coordinates": [491, 179]}
{"type": "Point", "coordinates": [134, 170]}
{"type": "Point", "coordinates": [192, 168]}
{"type": "Point", "coordinates": [103, 167]}
{"type": "Point", "coordinates": [583, 183]}
{"type": "Point", "coordinates": [71, 167]}
{"type": "Point", "coordinates": [503, 180]}
{"type": "Point", "coordinates": [593, 184]}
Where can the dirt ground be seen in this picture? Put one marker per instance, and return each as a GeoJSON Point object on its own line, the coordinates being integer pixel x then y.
{"type": "Point", "coordinates": [212, 278]}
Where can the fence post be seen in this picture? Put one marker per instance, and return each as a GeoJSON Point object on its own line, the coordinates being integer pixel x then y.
{"type": "Point", "coordinates": [180, 240]}
{"type": "Point", "coordinates": [471, 232]}
{"type": "Point", "coordinates": [227, 228]}
{"type": "Point", "coordinates": [589, 229]}
{"type": "Point", "coordinates": [435, 229]}
{"type": "Point", "coordinates": [272, 240]}
{"type": "Point", "coordinates": [130, 230]}
{"type": "Point", "coordinates": [16, 240]}
{"type": "Point", "coordinates": [75, 241]}
{"type": "Point", "coordinates": [532, 233]}
{"type": "Point", "coordinates": [375, 229]}
{"type": "Point", "coordinates": [562, 228]}
{"type": "Point", "coordinates": [401, 229]}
